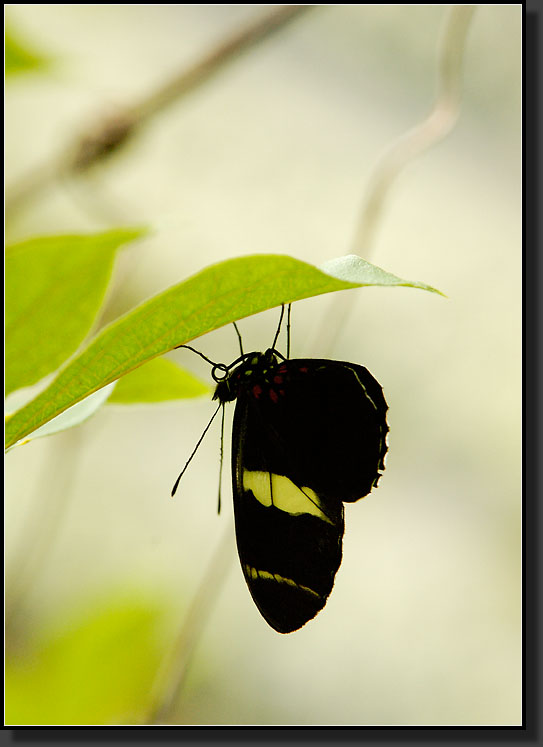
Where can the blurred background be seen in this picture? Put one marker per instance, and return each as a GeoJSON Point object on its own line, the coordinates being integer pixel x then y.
{"type": "Point", "coordinates": [275, 155]}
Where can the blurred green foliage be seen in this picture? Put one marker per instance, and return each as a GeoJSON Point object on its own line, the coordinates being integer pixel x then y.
{"type": "Point", "coordinates": [55, 286]}
{"type": "Point", "coordinates": [159, 380]}
{"type": "Point", "coordinates": [92, 667]}
{"type": "Point", "coordinates": [19, 57]}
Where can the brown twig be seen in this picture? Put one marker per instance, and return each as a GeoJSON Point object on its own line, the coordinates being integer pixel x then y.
{"type": "Point", "coordinates": [112, 133]}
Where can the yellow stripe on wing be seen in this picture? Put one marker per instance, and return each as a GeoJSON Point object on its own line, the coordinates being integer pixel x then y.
{"type": "Point", "coordinates": [278, 490]}
{"type": "Point", "coordinates": [255, 573]}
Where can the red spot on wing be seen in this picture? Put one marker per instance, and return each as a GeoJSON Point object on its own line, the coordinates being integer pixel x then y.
{"type": "Point", "coordinates": [257, 391]}
{"type": "Point", "coordinates": [273, 395]}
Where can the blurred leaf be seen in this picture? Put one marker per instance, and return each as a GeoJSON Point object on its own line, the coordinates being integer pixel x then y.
{"type": "Point", "coordinates": [98, 670]}
{"type": "Point", "coordinates": [74, 415]}
{"type": "Point", "coordinates": [218, 295]}
{"type": "Point", "coordinates": [19, 57]}
{"type": "Point", "coordinates": [55, 286]}
{"type": "Point", "coordinates": [159, 380]}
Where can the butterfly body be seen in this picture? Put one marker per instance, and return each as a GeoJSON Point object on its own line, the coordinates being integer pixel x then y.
{"type": "Point", "coordinates": [308, 435]}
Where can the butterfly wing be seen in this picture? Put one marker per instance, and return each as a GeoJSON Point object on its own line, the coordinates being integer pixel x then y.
{"type": "Point", "coordinates": [306, 437]}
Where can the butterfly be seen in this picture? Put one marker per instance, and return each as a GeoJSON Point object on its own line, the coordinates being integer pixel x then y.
{"type": "Point", "coordinates": [308, 436]}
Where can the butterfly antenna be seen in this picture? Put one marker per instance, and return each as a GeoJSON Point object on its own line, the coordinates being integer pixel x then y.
{"type": "Point", "coordinates": [288, 329]}
{"type": "Point", "coordinates": [220, 461]}
{"type": "Point", "coordinates": [188, 347]}
{"type": "Point", "coordinates": [279, 326]}
{"type": "Point", "coordinates": [239, 337]}
{"type": "Point", "coordinates": [195, 450]}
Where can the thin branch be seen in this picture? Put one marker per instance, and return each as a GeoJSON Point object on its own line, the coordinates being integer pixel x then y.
{"type": "Point", "coordinates": [171, 679]}
{"type": "Point", "coordinates": [224, 53]}
{"type": "Point", "coordinates": [439, 122]}
{"type": "Point", "coordinates": [437, 125]}
{"type": "Point", "coordinates": [113, 132]}
{"type": "Point", "coordinates": [42, 528]}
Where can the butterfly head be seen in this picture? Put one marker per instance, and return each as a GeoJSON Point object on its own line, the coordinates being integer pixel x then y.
{"type": "Point", "coordinates": [244, 371]}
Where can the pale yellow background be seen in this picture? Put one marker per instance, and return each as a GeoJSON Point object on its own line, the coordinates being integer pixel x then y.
{"type": "Point", "coordinates": [274, 155]}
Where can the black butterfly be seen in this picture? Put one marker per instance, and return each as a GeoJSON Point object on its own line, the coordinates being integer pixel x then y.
{"type": "Point", "coordinates": [308, 436]}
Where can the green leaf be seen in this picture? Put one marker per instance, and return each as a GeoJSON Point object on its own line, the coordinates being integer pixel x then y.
{"type": "Point", "coordinates": [95, 667]}
{"type": "Point", "coordinates": [354, 269]}
{"type": "Point", "coordinates": [55, 286]}
{"type": "Point", "coordinates": [218, 295]}
{"type": "Point", "coordinates": [19, 57]}
{"type": "Point", "coordinates": [158, 380]}
{"type": "Point", "coordinates": [74, 415]}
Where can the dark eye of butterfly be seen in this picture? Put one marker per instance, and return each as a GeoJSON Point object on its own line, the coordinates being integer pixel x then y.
{"type": "Point", "coordinates": [309, 435]}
